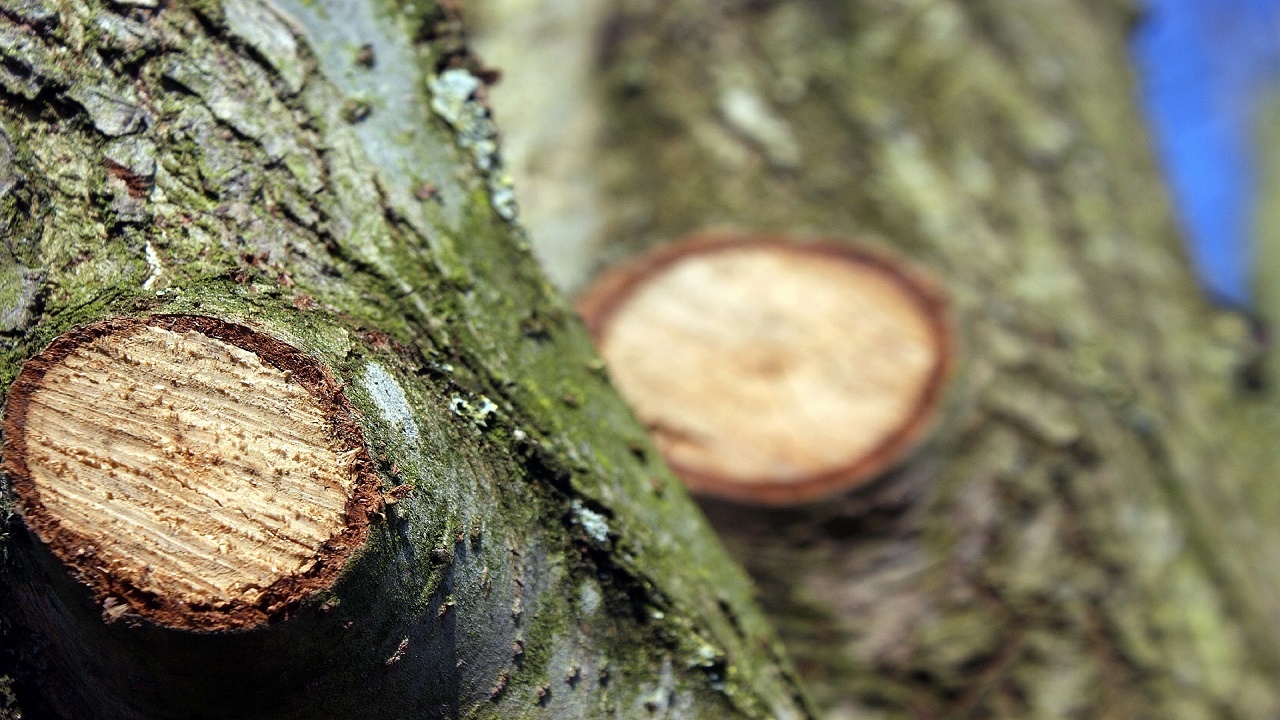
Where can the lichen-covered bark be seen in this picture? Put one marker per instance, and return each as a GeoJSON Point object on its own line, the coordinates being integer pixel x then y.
{"type": "Point", "coordinates": [1091, 532]}
{"type": "Point", "coordinates": [327, 172]}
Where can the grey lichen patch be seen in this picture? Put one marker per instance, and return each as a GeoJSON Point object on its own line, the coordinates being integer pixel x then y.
{"type": "Point", "coordinates": [272, 33]}
{"type": "Point", "coordinates": [34, 65]}
{"type": "Point", "coordinates": [1045, 415]}
{"type": "Point", "coordinates": [41, 14]}
{"type": "Point", "coordinates": [113, 114]}
{"type": "Point", "coordinates": [1060, 678]}
{"type": "Point", "coordinates": [589, 597]}
{"type": "Point", "coordinates": [131, 169]}
{"type": "Point", "coordinates": [205, 159]}
{"type": "Point", "coordinates": [402, 145]}
{"type": "Point", "coordinates": [19, 296]}
{"type": "Point", "coordinates": [477, 410]}
{"type": "Point", "coordinates": [10, 175]}
{"type": "Point", "coordinates": [1219, 651]}
{"type": "Point", "coordinates": [708, 658]}
{"type": "Point", "coordinates": [456, 98]}
{"type": "Point", "coordinates": [136, 155]}
{"type": "Point", "coordinates": [746, 112]}
{"type": "Point", "coordinates": [1034, 565]}
{"type": "Point", "coordinates": [663, 697]}
{"type": "Point", "coordinates": [125, 35]}
{"type": "Point", "coordinates": [239, 94]}
{"type": "Point", "coordinates": [390, 399]}
{"type": "Point", "coordinates": [594, 524]}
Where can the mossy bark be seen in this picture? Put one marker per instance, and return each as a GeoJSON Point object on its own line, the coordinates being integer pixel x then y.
{"type": "Point", "coordinates": [326, 172]}
{"type": "Point", "coordinates": [1092, 530]}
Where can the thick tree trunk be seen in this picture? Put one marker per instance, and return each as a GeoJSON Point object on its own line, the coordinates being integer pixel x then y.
{"type": "Point", "coordinates": [1092, 531]}
{"type": "Point", "coordinates": [326, 174]}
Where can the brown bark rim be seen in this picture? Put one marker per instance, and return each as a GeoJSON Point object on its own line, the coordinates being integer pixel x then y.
{"type": "Point", "coordinates": [609, 292]}
{"type": "Point", "coordinates": [278, 600]}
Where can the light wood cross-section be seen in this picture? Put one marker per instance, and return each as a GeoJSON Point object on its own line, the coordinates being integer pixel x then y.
{"type": "Point", "coordinates": [182, 473]}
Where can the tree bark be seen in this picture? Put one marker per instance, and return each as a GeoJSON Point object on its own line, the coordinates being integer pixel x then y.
{"type": "Point", "coordinates": [1091, 531]}
{"type": "Point", "coordinates": [326, 174]}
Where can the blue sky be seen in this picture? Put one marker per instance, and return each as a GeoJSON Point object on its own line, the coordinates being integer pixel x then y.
{"type": "Point", "coordinates": [1202, 64]}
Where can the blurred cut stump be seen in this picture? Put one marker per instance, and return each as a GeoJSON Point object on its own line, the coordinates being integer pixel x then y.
{"type": "Point", "coordinates": [774, 373]}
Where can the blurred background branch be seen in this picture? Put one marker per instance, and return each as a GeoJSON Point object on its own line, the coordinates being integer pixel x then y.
{"type": "Point", "coordinates": [1092, 531]}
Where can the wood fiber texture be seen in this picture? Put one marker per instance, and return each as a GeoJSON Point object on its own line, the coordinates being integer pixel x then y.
{"type": "Point", "coordinates": [181, 469]}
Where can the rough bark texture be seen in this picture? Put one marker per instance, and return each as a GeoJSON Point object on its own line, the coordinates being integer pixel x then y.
{"type": "Point", "coordinates": [1092, 531]}
{"type": "Point", "coordinates": [326, 172]}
